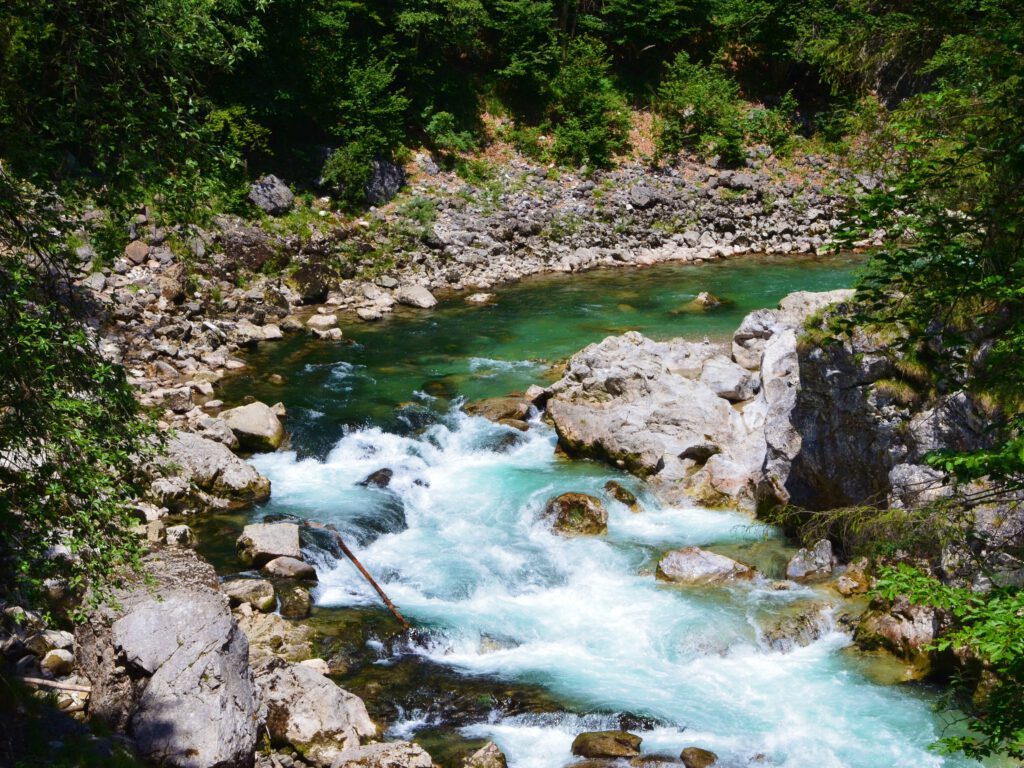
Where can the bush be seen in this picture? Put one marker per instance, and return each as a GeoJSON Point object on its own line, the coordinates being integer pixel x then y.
{"type": "Point", "coordinates": [700, 110]}
{"type": "Point", "coordinates": [441, 129]}
{"type": "Point", "coordinates": [591, 121]}
{"type": "Point", "coordinates": [772, 126]}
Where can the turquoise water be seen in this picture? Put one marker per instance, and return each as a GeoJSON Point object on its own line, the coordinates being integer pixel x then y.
{"type": "Point", "coordinates": [459, 543]}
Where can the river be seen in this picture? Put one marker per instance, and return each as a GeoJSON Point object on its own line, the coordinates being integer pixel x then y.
{"type": "Point", "coordinates": [552, 636]}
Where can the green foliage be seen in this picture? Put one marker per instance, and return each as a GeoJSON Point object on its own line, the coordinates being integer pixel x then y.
{"type": "Point", "coordinates": [591, 121]}
{"type": "Point", "coordinates": [772, 125]}
{"type": "Point", "coordinates": [699, 109]}
{"type": "Point", "coordinates": [990, 626]}
{"type": "Point", "coordinates": [443, 132]}
{"type": "Point", "coordinates": [71, 436]}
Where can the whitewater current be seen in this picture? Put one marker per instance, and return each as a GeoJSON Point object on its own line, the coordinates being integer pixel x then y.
{"type": "Point", "coordinates": [458, 540]}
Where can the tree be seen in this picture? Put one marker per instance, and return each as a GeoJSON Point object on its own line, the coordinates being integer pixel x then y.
{"type": "Point", "coordinates": [71, 435]}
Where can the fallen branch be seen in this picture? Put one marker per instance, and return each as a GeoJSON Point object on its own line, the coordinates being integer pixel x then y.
{"type": "Point", "coordinates": [55, 684]}
{"type": "Point", "coordinates": [366, 574]}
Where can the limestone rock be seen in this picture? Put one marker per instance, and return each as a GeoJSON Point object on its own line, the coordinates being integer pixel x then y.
{"type": "Point", "coordinates": [577, 514]}
{"type": "Point", "coordinates": [259, 593]}
{"type": "Point", "coordinates": [272, 636]}
{"type": "Point", "coordinates": [415, 296]}
{"type": "Point", "coordinates": [812, 564]}
{"type": "Point", "coordinates": [488, 756]}
{"type": "Point", "coordinates": [171, 653]}
{"type": "Point", "coordinates": [255, 425]}
{"type": "Point", "coordinates": [310, 712]}
{"type": "Point", "coordinates": [386, 179]}
{"type": "Point", "coordinates": [695, 757]}
{"type": "Point", "coordinates": [271, 195]}
{"type": "Point", "coordinates": [180, 536]}
{"type": "Point", "coordinates": [262, 542]}
{"type": "Point", "coordinates": [290, 568]}
{"type": "Point", "coordinates": [393, 754]}
{"type": "Point", "coordinates": [295, 602]}
{"type": "Point", "coordinates": [611, 744]}
{"type": "Point", "coordinates": [137, 252]}
{"type": "Point", "coordinates": [58, 662]}
{"type": "Point", "coordinates": [322, 322]}
{"type": "Point", "coordinates": [622, 494]}
{"type": "Point", "coordinates": [729, 380]}
{"type": "Point", "coordinates": [693, 565]}
{"type": "Point", "coordinates": [205, 474]}
{"type": "Point", "coordinates": [903, 629]}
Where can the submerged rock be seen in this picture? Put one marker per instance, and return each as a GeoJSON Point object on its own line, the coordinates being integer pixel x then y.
{"type": "Point", "coordinates": [379, 479]}
{"type": "Point", "coordinates": [606, 744]}
{"type": "Point", "coordinates": [693, 565]}
{"type": "Point", "coordinates": [577, 514]}
{"type": "Point", "coordinates": [310, 712]}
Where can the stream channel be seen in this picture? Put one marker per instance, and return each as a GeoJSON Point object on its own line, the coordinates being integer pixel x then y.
{"type": "Point", "coordinates": [521, 636]}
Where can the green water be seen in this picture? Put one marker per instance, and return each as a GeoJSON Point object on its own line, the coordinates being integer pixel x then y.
{"type": "Point", "coordinates": [475, 352]}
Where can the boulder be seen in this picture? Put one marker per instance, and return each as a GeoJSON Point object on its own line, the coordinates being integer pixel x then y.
{"type": "Point", "coordinates": [695, 757]}
{"type": "Point", "coordinates": [322, 322]}
{"type": "Point", "coordinates": [295, 602]}
{"type": "Point", "coordinates": [693, 565]}
{"type": "Point", "coordinates": [137, 252]}
{"type": "Point", "coordinates": [313, 282]}
{"type": "Point", "coordinates": [262, 542]}
{"type": "Point", "coordinates": [378, 479]}
{"type": "Point", "coordinates": [58, 662]}
{"type": "Point", "coordinates": [796, 628]}
{"type": "Point", "coordinates": [259, 593]}
{"type": "Point", "coordinates": [201, 473]}
{"type": "Point", "coordinates": [612, 744]}
{"type": "Point", "coordinates": [180, 536]}
{"type": "Point", "coordinates": [577, 514]}
{"type": "Point", "coordinates": [903, 629]}
{"type": "Point", "coordinates": [393, 754]}
{"type": "Point", "coordinates": [488, 756]}
{"type": "Point", "coordinates": [245, 247]}
{"type": "Point", "coordinates": [310, 712]}
{"type": "Point", "coordinates": [415, 296]}
{"type": "Point", "coordinates": [729, 380]}
{"type": "Point", "coordinates": [170, 667]}
{"type": "Point", "coordinates": [812, 564]}
{"type": "Point", "coordinates": [271, 195]}
{"type": "Point", "coordinates": [290, 568]}
{"type": "Point", "coordinates": [271, 636]}
{"type": "Point", "coordinates": [386, 179]}
{"type": "Point", "coordinates": [622, 494]}
{"type": "Point", "coordinates": [255, 425]}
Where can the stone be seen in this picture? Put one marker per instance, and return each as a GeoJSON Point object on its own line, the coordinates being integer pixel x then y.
{"type": "Point", "coordinates": [480, 298]}
{"type": "Point", "coordinates": [729, 380]}
{"type": "Point", "coordinates": [205, 474]}
{"type": "Point", "coordinates": [903, 629]}
{"type": "Point", "coordinates": [290, 568]}
{"type": "Point", "coordinates": [271, 195]}
{"type": "Point", "coordinates": [577, 514]}
{"type": "Point", "coordinates": [621, 494]}
{"type": "Point", "coordinates": [812, 564]}
{"type": "Point", "coordinates": [488, 756]}
{"type": "Point", "coordinates": [415, 296]}
{"type": "Point", "coordinates": [612, 744]}
{"type": "Point", "coordinates": [393, 754]}
{"type": "Point", "coordinates": [171, 653]}
{"type": "Point", "coordinates": [378, 479]}
{"type": "Point", "coordinates": [58, 662]}
{"type": "Point", "coordinates": [259, 593]}
{"type": "Point", "coordinates": [693, 565]}
{"type": "Point", "coordinates": [322, 322]}
{"type": "Point", "coordinates": [319, 665]}
{"type": "Point", "coordinates": [272, 636]}
{"type": "Point", "coordinates": [695, 757]}
{"type": "Point", "coordinates": [386, 179]}
{"type": "Point", "coordinates": [262, 542]}
{"type": "Point", "coordinates": [255, 425]}
{"type": "Point", "coordinates": [313, 282]}
{"type": "Point", "coordinates": [296, 602]}
{"type": "Point", "coordinates": [309, 712]}
{"type": "Point", "coordinates": [137, 252]}
{"type": "Point", "coordinates": [180, 536]}
{"type": "Point", "coordinates": [156, 532]}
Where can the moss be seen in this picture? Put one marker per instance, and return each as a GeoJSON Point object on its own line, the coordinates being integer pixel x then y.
{"type": "Point", "coordinates": [897, 391]}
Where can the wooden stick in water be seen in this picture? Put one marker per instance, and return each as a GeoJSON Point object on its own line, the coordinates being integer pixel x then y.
{"type": "Point", "coordinates": [351, 556]}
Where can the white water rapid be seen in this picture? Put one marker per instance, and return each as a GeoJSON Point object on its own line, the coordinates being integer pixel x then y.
{"type": "Point", "coordinates": [504, 596]}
